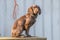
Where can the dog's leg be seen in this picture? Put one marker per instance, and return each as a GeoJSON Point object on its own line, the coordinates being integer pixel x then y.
{"type": "Point", "coordinates": [17, 32]}
{"type": "Point", "coordinates": [27, 33]}
{"type": "Point", "coordinates": [27, 30]}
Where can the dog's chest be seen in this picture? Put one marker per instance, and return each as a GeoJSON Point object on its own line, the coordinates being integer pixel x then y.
{"type": "Point", "coordinates": [30, 19]}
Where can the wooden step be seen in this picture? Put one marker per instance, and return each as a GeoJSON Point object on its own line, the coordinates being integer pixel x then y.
{"type": "Point", "coordinates": [26, 38]}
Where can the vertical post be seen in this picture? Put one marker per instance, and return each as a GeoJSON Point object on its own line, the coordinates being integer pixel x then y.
{"type": "Point", "coordinates": [51, 19]}
{"type": "Point", "coordinates": [15, 10]}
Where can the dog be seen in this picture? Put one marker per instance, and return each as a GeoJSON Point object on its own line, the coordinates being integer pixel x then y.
{"type": "Point", "coordinates": [26, 21]}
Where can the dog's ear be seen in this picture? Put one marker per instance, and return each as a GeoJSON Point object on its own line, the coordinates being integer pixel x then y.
{"type": "Point", "coordinates": [39, 10]}
{"type": "Point", "coordinates": [30, 10]}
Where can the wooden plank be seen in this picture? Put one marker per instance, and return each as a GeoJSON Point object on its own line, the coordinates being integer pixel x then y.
{"type": "Point", "coordinates": [26, 38]}
{"type": "Point", "coordinates": [2, 12]}
{"type": "Point", "coordinates": [56, 25]}
{"type": "Point", "coordinates": [47, 19]}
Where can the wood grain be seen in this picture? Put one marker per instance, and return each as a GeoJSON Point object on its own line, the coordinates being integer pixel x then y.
{"type": "Point", "coordinates": [26, 38]}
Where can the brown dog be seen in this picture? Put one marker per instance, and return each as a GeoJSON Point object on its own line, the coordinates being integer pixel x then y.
{"type": "Point", "coordinates": [26, 21]}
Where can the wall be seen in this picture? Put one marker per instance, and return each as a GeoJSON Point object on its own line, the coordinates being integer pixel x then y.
{"type": "Point", "coordinates": [47, 25]}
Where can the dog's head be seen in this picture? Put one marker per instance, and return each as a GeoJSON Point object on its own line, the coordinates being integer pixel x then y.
{"type": "Point", "coordinates": [35, 9]}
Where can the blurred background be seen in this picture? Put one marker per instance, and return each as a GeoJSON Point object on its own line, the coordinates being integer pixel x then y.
{"type": "Point", "coordinates": [47, 24]}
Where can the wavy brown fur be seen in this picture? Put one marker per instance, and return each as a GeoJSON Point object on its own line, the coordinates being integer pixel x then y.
{"type": "Point", "coordinates": [26, 21]}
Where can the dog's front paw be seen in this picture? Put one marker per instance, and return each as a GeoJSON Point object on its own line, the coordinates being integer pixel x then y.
{"type": "Point", "coordinates": [29, 36]}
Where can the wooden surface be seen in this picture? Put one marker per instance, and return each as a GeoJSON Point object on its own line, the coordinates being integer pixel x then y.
{"type": "Point", "coordinates": [26, 38]}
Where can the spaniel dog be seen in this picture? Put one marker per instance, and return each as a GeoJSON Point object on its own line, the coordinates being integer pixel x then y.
{"type": "Point", "coordinates": [26, 21]}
